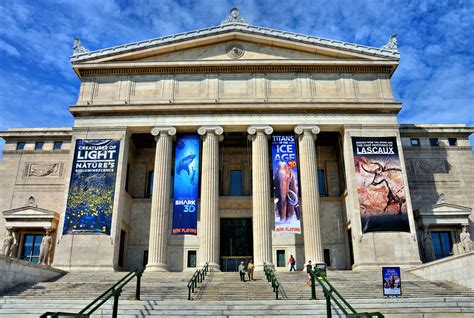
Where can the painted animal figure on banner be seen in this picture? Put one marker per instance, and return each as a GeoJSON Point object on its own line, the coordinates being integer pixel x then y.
{"type": "Point", "coordinates": [185, 163]}
{"type": "Point", "coordinates": [382, 176]}
{"type": "Point", "coordinates": [286, 192]}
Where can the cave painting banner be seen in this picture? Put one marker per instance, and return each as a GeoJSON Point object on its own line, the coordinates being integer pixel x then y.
{"type": "Point", "coordinates": [91, 190]}
{"type": "Point", "coordinates": [186, 184]}
{"type": "Point", "coordinates": [285, 184]}
{"type": "Point", "coordinates": [380, 185]}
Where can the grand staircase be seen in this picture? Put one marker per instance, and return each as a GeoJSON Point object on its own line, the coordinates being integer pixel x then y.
{"type": "Point", "coordinates": [224, 295]}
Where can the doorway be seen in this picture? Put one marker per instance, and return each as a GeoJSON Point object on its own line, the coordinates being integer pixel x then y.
{"type": "Point", "coordinates": [236, 242]}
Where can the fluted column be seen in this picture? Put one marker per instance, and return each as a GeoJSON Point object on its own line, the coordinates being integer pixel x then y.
{"type": "Point", "coordinates": [160, 203]}
{"type": "Point", "coordinates": [313, 247]}
{"type": "Point", "coordinates": [261, 196]}
{"type": "Point", "coordinates": [209, 234]}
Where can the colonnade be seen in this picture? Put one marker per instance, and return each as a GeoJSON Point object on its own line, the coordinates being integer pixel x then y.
{"type": "Point", "coordinates": [262, 207]}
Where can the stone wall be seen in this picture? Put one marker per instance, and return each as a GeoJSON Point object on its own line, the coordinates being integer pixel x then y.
{"type": "Point", "coordinates": [457, 269]}
{"type": "Point", "coordinates": [14, 272]}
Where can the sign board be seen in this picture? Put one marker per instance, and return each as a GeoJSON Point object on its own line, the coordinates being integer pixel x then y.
{"type": "Point", "coordinates": [392, 283]}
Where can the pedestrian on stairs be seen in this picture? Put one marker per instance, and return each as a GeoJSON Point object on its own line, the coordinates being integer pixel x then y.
{"type": "Point", "coordinates": [242, 271]}
{"type": "Point", "coordinates": [250, 269]}
{"type": "Point", "coordinates": [292, 262]}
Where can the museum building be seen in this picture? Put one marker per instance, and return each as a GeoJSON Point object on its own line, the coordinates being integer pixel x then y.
{"type": "Point", "coordinates": [231, 143]}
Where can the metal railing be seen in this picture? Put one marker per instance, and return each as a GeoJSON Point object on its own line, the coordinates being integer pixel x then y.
{"type": "Point", "coordinates": [330, 293]}
{"type": "Point", "coordinates": [115, 291]}
{"type": "Point", "coordinates": [198, 277]}
{"type": "Point", "coordinates": [272, 279]}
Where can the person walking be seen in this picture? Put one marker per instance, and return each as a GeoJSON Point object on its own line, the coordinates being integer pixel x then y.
{"type": "Point", "coordinates": [308, 267]}
{"type": "Point", "coordinates": [292, 262]}
{"type": "Point", "coordinates": [250, 269]}
{"type": "Point", "coordinates": [242, 271]}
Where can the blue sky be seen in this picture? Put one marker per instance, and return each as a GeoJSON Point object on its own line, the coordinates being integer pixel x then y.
{"type": "Point", "coordinates": [435, 79]}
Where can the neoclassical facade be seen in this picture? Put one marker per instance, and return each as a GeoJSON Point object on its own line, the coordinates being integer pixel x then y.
{"type": "Point", "coordinates": [236, 86]}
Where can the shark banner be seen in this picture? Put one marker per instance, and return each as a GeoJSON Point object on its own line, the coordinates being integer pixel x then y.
{"type": "Point", "coordinates": [186, 185]}
{"type": "Point", "coordinates": [91, 191]}
{"type": "Point", "coordinates": [380, 186]}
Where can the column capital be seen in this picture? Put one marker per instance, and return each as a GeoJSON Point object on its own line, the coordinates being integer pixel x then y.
{"type": "Point", "coordinates": [216, 130]}
{"type": "Point", "coordinates": [312, 129]}
{"type": "Point", "coordinates": [265, 129]}
{"type": "Point", "coordinates": [158, 131]}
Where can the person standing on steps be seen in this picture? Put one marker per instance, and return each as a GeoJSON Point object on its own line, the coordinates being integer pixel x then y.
{"type": "Point", "coordinates": [292, 262]}
{"type": "Point", "coordinates": [308, 267]}
{"type": "Point", "coordinates": [242, 271]}
{"type": "Point", "coordinates": [250, 269]}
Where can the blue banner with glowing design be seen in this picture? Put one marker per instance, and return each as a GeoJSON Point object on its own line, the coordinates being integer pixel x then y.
{"type": "Point", "coordinates": [91, 189]}
{"type": "Point", "coordinates": [285, 184]}
{"type": "Point", "coordinates": [186, 184]}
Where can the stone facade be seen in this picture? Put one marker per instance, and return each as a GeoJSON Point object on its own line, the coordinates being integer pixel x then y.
{"type": "Point", "coordinates": [234, 85]}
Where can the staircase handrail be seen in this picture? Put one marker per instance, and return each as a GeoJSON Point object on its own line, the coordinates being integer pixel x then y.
{"type": "Point", "coordinates": [198, 277]}
{"type": "Point", "coordinates": [114, 291]}
{"type": "Point", "coordinates": [329, 291]}
{"type": "Point", "coordinates": [271, 279]}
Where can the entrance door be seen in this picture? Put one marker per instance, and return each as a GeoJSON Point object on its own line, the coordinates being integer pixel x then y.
{"type": "Point", "coordinates": [236, 243]}
{"type": "Point", "coordinates": [31, 247]}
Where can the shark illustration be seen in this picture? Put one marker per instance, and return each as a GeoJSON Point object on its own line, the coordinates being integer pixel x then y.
{"type": "Point", "coordinates": [184, 164]}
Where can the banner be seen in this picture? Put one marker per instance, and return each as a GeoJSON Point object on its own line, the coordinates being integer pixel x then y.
{"type": "Point", "coordinates": [285, 184]}
{"type": "Point", "coordinates": [91, 190]}
{"type": "Point", "coordinates": [186, 185]}
{"type": "Point", "coordinates": [392, 283]}
{"type": "Point", "coordinates": [380, 186]}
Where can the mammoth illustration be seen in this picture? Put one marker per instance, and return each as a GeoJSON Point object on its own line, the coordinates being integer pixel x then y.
{"type": "Point", "coordinates": [286, 193]}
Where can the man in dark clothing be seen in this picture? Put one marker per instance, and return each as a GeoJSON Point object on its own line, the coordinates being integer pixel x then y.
{"type": "Point", "coordinates": [292, 263]}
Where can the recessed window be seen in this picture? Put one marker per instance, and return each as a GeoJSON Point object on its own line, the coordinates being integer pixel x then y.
{"type": "Point", "coordinates": [149, 187]}
{"type": "Point", "coordinates": [57, 145]}
{"type": "Point", "coordinates": [191, 258]}
{"type": "Point", "coordinates": [39, 145]}
{"type": "Point", "coordinates": [20, 146]}
{"type": "Point", "coordinates": [235, 183]}
{"type": "Point", "coordinates": [321, 183]}
{"type": "Point", "coordinates": [415, 142]}
{"type": "Point", "coordinates": [327, 257]}
{"type": "Point", "coordinates": [434, 142]}
{"type": "Point", "coordinates": [453, 141]}
{"type": "Point", "coordinates": [145, 258]}
{"type": "Point", "coordinates": [281, 259]}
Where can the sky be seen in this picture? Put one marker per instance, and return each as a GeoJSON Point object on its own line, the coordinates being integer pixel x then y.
{"type": "Point", "coordinates": [435, 79]}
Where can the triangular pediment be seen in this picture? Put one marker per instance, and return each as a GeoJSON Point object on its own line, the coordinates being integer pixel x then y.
{"type": "Point", "coordinates": [250, 43]}
{"type": "Point", "coordinates": [28, 211]}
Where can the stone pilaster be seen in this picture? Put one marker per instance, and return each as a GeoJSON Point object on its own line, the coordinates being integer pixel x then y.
{"type": "Point", "coordinates": [209, 236]}
{"type": "Point", "coordinates": [261, 196]}
{"type": "Point", "coordinates": [313, 247]}
{"type": "Point", "coordinates": [160, 203]}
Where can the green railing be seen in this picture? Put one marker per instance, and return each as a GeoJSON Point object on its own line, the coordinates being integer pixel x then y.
{"type": "Point", "coordinates": [198, 277]}
{"type": "Point", "coordinates": [272, 279]}
{"type": "Point", "coordinates": [115, 291]}
{"type": "Point", "coordinates": [330, 293]}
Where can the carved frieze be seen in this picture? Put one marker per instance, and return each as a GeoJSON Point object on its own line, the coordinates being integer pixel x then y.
{"type": "Point", "coordinates": [427, 167]}
{"type": "Point", "coordinates": [43, 169]}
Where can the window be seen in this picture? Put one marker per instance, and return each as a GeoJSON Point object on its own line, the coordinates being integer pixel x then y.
{"type": "Point", "coordinates": [321, 183]}
{"type": "Point", "coordinates": [39, 145]}
{"type": "Point", "coordinates": [235, 183]}
{"type": "Point", "coordinates": [327, 257]}
{"type": "Point", "coordinates": [434, 142]}
{"type": "Point", "coordinates": [31, 247]}
{"type": "Point", "coordinates": [453, 141]}
{"type": "Point", "coordinates": [149, 187]}
{"type": "Point", "coordinates": [122, 248]}
{"type": "Point", "coordinates": [441, 244]}
{"type": "Point", "coordinates": [191, 258]}
{"type": "Point", "coordinates": [415, 142]}
{"type": "Point", "coordinates": [57, 145]}
{"type": "Point", "coordinates": [281, 259]}
{"type": "Point", "coordinates": [20, 146]}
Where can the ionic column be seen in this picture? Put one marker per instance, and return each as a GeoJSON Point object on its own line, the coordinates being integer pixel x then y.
{"type": "Point", "coordinates": [209, 236]}
{"type": "Point", "coordinates": [261, 196]}
{"type": "Point", "coordinates": [313, 247]}
{"type": "Point", "coordinates": [160, 203]}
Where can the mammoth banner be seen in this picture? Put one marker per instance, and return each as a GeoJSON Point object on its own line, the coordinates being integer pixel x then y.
{"type": "Point", "coordinates": [285, 184]}
{"type": "Point", "coordinates": [90, 199]}
{"type": "Point", "coordinates": [380, 184]}
{"type": "Point", "coordinates": [186, 184]}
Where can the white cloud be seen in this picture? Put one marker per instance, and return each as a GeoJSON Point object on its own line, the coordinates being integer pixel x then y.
{"type": "Point", "coordinates": [10, 50]}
